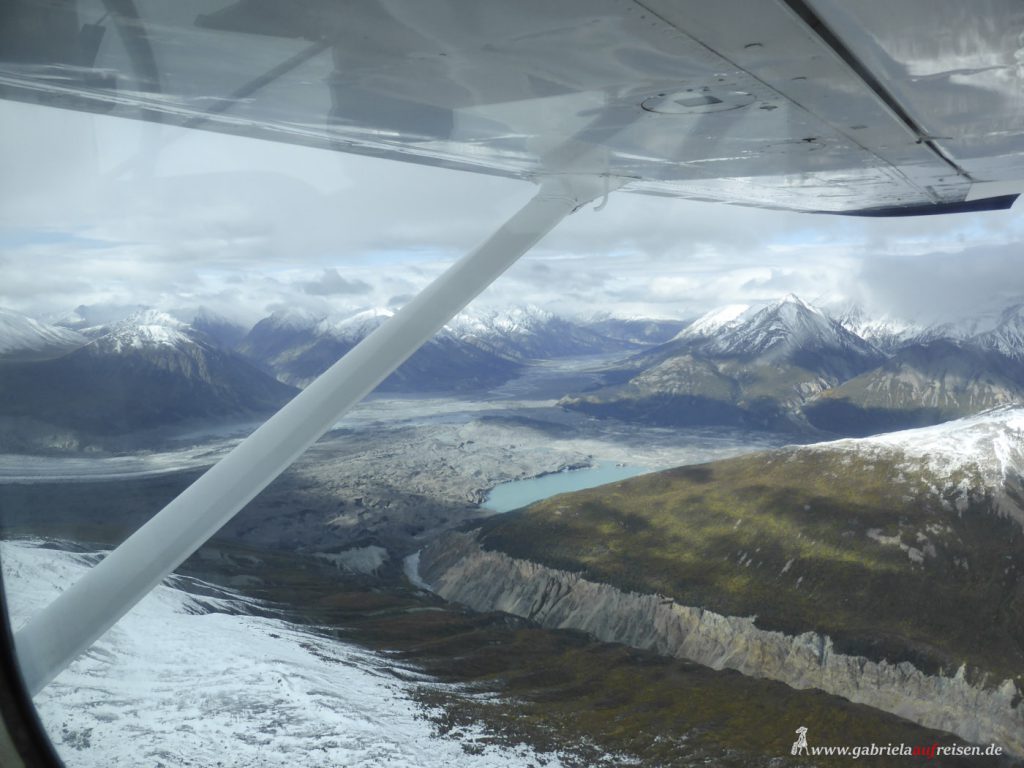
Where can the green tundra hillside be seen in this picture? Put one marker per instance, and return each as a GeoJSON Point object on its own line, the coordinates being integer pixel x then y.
{"type": "Point", "coordinates": [904, 547]}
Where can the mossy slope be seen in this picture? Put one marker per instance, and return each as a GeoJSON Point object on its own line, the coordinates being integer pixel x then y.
{"type": "Point", "coordinates": [891, 562]}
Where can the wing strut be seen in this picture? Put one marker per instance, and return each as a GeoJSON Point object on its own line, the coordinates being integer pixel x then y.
{"type": "Point", "coordinates": [82, 613]}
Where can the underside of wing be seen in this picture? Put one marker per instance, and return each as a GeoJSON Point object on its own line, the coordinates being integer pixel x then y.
{"type": "Point", "coordinates": [814, 105]}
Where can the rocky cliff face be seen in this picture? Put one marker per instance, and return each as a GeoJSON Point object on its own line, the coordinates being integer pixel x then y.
{"type": "Point", "coordinates": [458, 569]}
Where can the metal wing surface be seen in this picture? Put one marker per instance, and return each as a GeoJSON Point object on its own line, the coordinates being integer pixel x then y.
{"type": "Point", "coordinates": [817, 105]}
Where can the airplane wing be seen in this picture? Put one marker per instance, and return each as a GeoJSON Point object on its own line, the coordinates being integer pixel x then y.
{"type": "Point", "coordinates": [859, 107]}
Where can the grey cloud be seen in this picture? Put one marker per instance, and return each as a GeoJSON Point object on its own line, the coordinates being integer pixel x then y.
{"type": "Point", "coordinates": [400, 300]}
{"type": "Point", "coordinates": [939, 286]}
{"type": "Point", "coordinates": [331, 283]}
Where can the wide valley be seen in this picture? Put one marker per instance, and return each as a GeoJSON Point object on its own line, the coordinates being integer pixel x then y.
{"type": "Point", "coordinates": [301, 635]}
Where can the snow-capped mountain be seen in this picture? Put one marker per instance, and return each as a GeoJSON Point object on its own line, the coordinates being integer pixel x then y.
{"type": "Point", "coordinates": [784, 328]}
{"type": "Point", "coordinates": [738, 365]}
{"type": "Point", "coordinates": [22, 337]}
{"type": "Point", "coordinates": [886, 333]}
{"type": "Point", "coordinates": [530, 333]}
{"type": "Point", "coordinates": [934, 373]}
{"type": "Point", "coordinates": [962, 328]}
{"type": "Point", "coordinates": [94, 321]}
{"type": "Point", "coordinates": [1007, 337]}
{"type": "Point", "coordinates": [145, 329]}
{"type": "Point", "coordinates": [149, 370]}
{"type": "Point", "coordinates": [923, 383]}
{"type": "Point", "coordinates": [786, 332]}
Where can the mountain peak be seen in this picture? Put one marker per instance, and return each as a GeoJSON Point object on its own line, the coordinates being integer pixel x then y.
{"type": "Point", "coordinates": [792, 305]}
{"type": "Point", "coordinates": [152, 317]}
{"type": "Point", "coordinates": [792, 298]}
{"type": "Point", "coordinates": [145, 329]}
{"type": "Point", "coordinates": [784, 327]}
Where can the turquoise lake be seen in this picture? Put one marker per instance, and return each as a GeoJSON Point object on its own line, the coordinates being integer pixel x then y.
{"type": "Point", "coordinates": [519, 493]}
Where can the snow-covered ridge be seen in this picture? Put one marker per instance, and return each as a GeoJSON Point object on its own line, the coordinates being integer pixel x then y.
{"type": "Point", "coordinates": [466, 323]}
{"type": "Point", "coordinates": [20, 333]}
{"type": "Point", "coordinates": [189, 680]}
{"type": "Point", "coordinates": [714, 321]}
{"type": "Point", "coordinates": [355, 327]}
{"type": "Point", "coordinates": [988, 446]}
{"type": "Point", "coordinates": [885, 331]}
{"type": "Point", "coordinates": [520, 320]}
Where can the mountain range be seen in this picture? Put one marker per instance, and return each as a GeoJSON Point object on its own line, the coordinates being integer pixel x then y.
{"type": "Point", "coordinates": [791, 365]}
{"type": "Point", "coordinates": [296, 348]}
{"type": "Point", "coordinates": [147, 371]}
{"type": "Point", "coordinates": [117, 370]}
{"type": "Point", "coordinates": [472, 351]}
{"type": "Point", "coordinates": [785, 365]}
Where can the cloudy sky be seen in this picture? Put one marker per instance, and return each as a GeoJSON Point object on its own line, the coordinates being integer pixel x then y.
{"type": "Point", "coordinates": [102, 211]}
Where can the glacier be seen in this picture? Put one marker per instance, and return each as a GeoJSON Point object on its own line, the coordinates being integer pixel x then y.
{"type": "Point", "coordinates": [207, 677]}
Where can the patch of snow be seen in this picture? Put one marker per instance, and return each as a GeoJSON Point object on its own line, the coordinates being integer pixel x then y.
{"type": "Point", "coordinates": [916, 555]}
{"type": "Point", "coordinates": [875, 534]}
{"type": "Point", "coordinates": [411, 568]}
{"type": "Point", "coordinates": [176, 684]}
{"type": "Point", "coordinates": [367, 560]}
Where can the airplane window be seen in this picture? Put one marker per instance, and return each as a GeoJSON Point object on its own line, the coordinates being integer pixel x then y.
{"type": "Point", "coordinates": [690, 483]}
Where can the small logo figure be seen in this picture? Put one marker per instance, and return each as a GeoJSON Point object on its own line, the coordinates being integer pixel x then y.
{"type": "Point", "coordinates": [800, 745]}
